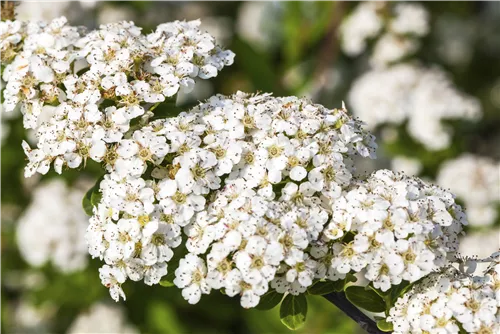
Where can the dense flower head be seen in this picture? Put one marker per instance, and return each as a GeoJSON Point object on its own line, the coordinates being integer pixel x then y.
{"type": "Point", "coordinates": [401, 229]}
{"type": "Point", "coordinates": [451, 302]}
{"type": "Point", "coordinates": [81, 92]}
{"type": "Point", "coordinates": [244, 193]}
{"type": "Point", "coordinates": [245, 184]}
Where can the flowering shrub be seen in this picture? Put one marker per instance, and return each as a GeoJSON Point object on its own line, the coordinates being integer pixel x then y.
{"type": "Point", "coordinates": [250, 194]}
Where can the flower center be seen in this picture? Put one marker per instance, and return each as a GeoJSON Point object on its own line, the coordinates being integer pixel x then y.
{"type": "Point", "coordinates": [409, 257]}
{"type": "Point", "coordinates": [384, 270]}
{"type": "Point", "coordinates": [473, 305]}
{"type": "Point", "coordinates": [442, 322]}
{"type": "Point", "coordinates": [197, 277]}
{"type": "Point", "coordinates": [198, 172]}
{"type": "Point", "coordinates": [301, 222]}
{"type": "Point", "coordinates": [274, 151]}
{"type": "Point", "coordinates": [287, 241]}
{"type": "Point", "coordinates": [219, 152]}
{"type": "Point", "coordinates": [248, 122]}
{"type": "Point", "coordinates": [249, 158]}
{"type": "Point", "coordinates": [143, 220]}
{"type": "Point", "coordinates": [179, 197]}
{"type": "Point", "coordinates": [169, 219]}
{"type": "Point", "coordinates": [158, 239]}
{"type": "Point", "coordinates": [124, 237]}
{"type": "Point", "coordinates": [257, 262]}
{"type": "Point", "coordinates": [224, 266]}
{"type": "Point", "coordinates": [144, 153]}
{"type": "Point", "coordinates": [293, 161]}
{"type": "Point", "coordinates": [329, 173]}
{"type": "Point", "coordinates": [301, 266]}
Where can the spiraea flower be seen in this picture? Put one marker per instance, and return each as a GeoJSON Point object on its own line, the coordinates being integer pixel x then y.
{"type": "Point", "coordinates": [451, 301]}
{"type": "Point", "coordinates": [244, 193]}
{"type": "Point", "coordinates": [66, 81]}
{"type": "Point", "coordinates": [401, 228]}
{"type": "Point", "coordinates": [239, 201]}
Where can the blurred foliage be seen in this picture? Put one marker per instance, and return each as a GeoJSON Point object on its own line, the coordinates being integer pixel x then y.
{"type": "Point", "coordinates": [303, 46]}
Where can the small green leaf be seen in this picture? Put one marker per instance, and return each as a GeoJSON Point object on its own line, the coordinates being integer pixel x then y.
{"type": "Point", "coordinates": [87, 203]}
{"type": "Point", "coordinates": [269, 300]}
{"type": "Point", "coordinates": [385, 326]}
{"type": "Point", "coordinates": [350, 278]}
{"type": "Point", "coordinates": [92, 197]}
{"type": "Point", "coordinates": [323, 288]}
{"type": "Point", "coordinates": [365, 299]}
{"type": "Point", "coordinates": [293, 311]}
{"type": "Point", "coordinates": [399, 290]}
{"type": "Point", "coordinates": [167, 283]}
{"type": "Point", "coordinates": [95, 197]}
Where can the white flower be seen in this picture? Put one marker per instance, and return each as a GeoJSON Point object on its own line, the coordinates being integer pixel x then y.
{"type": "Point", "coordinates": [112, 278]}
{"type": "Point", "coordinates": [259, 260]}
{"type": "Point", "coordinates": [174, 200]}
{"type": "Point", "coordinates": [155, 247]}
{"type": "Point", "coordinates": [122, 238]}
{"type": "Point", "coordinates": [195, 173]}
{"type": "Point", "coordinates": [250, 293]}
{"type": "Point", "coordinates": [190, 276]}
{"type": "Point", "coordinates": [200, 233]}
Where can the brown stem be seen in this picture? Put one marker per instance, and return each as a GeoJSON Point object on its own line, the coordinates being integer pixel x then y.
{"type": "Point", "coordinates": [340, 300]}
{"type": "Point", "coordinates": [8, 10]}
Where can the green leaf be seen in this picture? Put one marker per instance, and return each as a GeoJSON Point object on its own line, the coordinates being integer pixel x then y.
{"type": "Point", "coordinates": [365, 299]}
{"type": "Point", "coordinates": [87, 202]}
{"type": "Point", "coordinates": [350, 278]}
{"type": "Point", "coordinates": [323, 288]}
{"type": "Point", "coordinates": [269, 300]}
{"type": "Point", "coordinates": [167, 282]}
{"type": "Point", "coordinates": [92, 197]}
{"type": "Point", "coordinates": [399, 290]}
{"type": "Point", "coordinates": [293, 311]}
{"type": "Point", "coordinates": [385, 326]}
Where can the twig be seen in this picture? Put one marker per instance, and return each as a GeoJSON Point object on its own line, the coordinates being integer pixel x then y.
{"type": "Point", "coordinates": [340, 300]}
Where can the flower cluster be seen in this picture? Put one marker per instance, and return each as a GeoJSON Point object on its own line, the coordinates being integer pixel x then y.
{"type": "Point", "coordinates": [475, 180]}
{"type": "Point", "coordinates": [400, 227]}
{"type": "Point", "coordinates": [243, 193]}
{"type": "Point", "coordinates": [408, 92]}
{"type": "Point", "coordinates": [248, 179]}
{"type": "Point", "coordinates": [451, 302]}
{"type": "Point", "coordinates": [82, 92]}
{"type": "Point", "coordinates": [53, 228]}
{"type": "Point", "coordinates": [396, 26]}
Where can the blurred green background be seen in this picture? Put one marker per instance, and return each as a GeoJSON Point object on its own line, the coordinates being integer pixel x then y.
{"type": "Point", "coordinates": [288, 48]}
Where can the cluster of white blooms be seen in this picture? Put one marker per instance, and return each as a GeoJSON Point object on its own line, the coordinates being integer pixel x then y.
{"type": "Point", "coordinates": [451, 302]}
{"type": "Point", "coordinates": [278, 163]}
{"type": "Point", "coordinates": [396, 28]}
{"type": "Point", "coordinates": [83, 92]}
{"type": "Point", "coordinates": [53, 228]}
{"type": "Point", "coordinates": [102, 318]}
{"type": "Point", "coordinates": [400, 227]}
{"type": "Point", "coordinates": [243, 193]}
{"type": "Point", "coordinates": [475, 180]}
{"type": "Point", "coordinates": [423, 97]}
